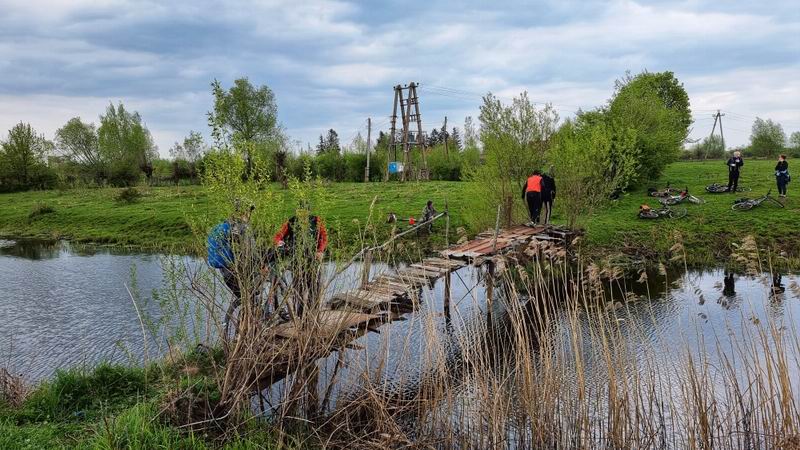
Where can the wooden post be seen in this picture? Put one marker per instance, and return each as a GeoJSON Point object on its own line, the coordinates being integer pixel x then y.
{"type": "Point", "coordinates": [366, 268]}
{"type": "Point", "coordinates": [489, 287]}
{"type": "Point", "coordinates": [447, 294]}
{"type": "Point", "coordinates": [369, 135]}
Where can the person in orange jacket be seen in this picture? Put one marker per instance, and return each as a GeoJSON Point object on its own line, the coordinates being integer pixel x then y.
{"type": "Point", "coordinates": [285, 238]}
{"type": "Point", "coordinates": [304, 259]}
{"type": "Point", "coordinates": [532, 194]}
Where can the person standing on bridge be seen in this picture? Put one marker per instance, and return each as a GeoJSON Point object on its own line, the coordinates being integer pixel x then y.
{"type": "Point", "coordinates": [532, 194]}
{"type": "Point", "coordinates": [303, 240]}
{"type": "Point", "coordinates": [548, 195]}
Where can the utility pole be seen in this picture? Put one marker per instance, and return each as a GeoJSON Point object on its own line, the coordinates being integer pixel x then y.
{"type": "Point", "coordinates": [446, 152]}
{"type": "Point", "coordinates": [717, 118]}
{"type": "Point", "coordinates": [369, 134]}
{"type": "Point", "coordinates": [405, 104]}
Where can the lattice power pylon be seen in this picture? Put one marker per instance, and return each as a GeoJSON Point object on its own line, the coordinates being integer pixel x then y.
{"type": "Point", "coordinates": [406, 98]}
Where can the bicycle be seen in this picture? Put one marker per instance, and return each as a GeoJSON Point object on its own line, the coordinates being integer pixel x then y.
{"type": "Point", "coordinates": [716, 188]}
{"type": "Point", "coordinates": [684, 196]}
{"type": "Point", "coordinates": [661, 213]}
{"type": "Point", "coordinates": [744, 204]}
{"type": "Point", "coordinates": [667, 192]}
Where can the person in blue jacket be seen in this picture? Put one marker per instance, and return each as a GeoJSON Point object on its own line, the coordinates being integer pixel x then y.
{"type": "Point", "coordinates": [227, 239]}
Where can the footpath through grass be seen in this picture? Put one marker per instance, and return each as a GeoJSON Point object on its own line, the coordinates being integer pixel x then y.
{"type": "Point", "coordinates": [160, 220]}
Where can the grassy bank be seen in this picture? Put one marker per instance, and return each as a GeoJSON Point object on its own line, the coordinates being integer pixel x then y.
{"type": "Point", "coordinates": [115, 406]}
{"type": "Point", "coordinates": [160, 220]}
{"type": "Point", "coordinates": [710, 231]}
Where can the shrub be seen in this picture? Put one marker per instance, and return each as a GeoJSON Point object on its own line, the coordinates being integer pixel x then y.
{"type": "Point", "coordinates": [40, 209]}
{"type": "Point", "coordinates": [129, 195]}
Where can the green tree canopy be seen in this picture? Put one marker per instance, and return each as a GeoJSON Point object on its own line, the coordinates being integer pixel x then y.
{"type": "Point", "coordinates": [767, 138]}
{"type": "Point", "coordinates": [78, 141]}
{"type": "Point", "coordinates": [22, 160]}
{"type": "Point", "coordinates": [126, 143]}
{"type": "Point", "coordinates": [650, 117]}
{"type": "Point", "coordinates": [515, 139]}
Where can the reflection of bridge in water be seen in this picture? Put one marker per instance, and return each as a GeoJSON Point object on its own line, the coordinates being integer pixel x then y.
{"type": "Point", "coordinates": [387, 297]}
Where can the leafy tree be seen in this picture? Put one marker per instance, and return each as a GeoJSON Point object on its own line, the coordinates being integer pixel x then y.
{"type": "Point", "coordinates": [243, 113]}
{"type": "Point", "coordinates": [79, 142]}
{"type": "Point", "coordinates": [709, 147]}
{"type": "Point", "coordinates": [192, 149]}
{"type": "Point", "coordinates": [455, 139]}
{"type": "Point", "coordinates": [126, 143]}
{"type": "Point", "coordinates": [23, 156]}
{"type": "Point", "coordinates": [650, 114]}
{"type": "Point", "coordinates": [767, 138]}
{"type": "Point", "coordinates": [794, 140]}
{"type": "Point", "coordinates": [470, 135]}
{"type": "Point", "coordinates": [581, 154]}
{"type": "Point", "coordinates": [515, 139]}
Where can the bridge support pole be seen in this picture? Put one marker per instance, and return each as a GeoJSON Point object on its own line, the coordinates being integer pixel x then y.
{"type": "Point", "coordinates": [447, 296]}
{"type": "Point", "coordinates": [365, 270]}
{"type": "Point", "coordinates": [490, 285]}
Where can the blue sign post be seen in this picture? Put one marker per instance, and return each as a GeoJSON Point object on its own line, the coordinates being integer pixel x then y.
{"type": "Point", "coordinates": [395, 167]}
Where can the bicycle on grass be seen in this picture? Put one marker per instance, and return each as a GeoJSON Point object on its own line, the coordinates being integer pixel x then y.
{"type": "Point", "coordinates": [744, 204]}
{"type": "Point", "coordinates": [665, 212]}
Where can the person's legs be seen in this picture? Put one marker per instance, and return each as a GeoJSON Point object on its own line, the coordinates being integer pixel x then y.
{"type": "Point", "coordinates": [735, 182]}
{"type": "Point", "coordinates": [547, 208]}
{"type": "Point", "coordinates": [537, 206]}
{"type": "Point", "coordinates": [781, 185]}
{"type": "Point", "coordinates": [730, 182]}
{"type": "Point", "coordinates": [232, 283]}
{"type": "Point", "coordinates": [531, 204]}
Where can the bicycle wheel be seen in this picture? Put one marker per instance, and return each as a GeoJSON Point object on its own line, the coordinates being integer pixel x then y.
{"type": "Point", "coordinates": [677, 213]}
{"type": "Point", "coordinates": [670, 201]}
{"type": "Point", "coordinates": [744, 189]}
{"type": "Point", "coordinates": [743, 206]}
{"type": "Point", "coordinates": [649, 215]}
{"type": "Point", "coordinates": [695, 200]}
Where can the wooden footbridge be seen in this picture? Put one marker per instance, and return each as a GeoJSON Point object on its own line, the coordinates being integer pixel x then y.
{"type": "Point", "coordinates": [387, 297]}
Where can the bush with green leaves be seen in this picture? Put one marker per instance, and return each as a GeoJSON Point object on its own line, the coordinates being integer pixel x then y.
{"type": "Point", "coordinates": [129, 195]}
{"type": "Point", "coordinates": [40, 209]}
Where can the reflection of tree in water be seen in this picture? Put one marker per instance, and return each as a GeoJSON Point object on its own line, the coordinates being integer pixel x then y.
{"type": "Point", "coordinates": [32, 249]}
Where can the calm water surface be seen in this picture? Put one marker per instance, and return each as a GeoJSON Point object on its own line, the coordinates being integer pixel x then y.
{"type": "Point", "coordinates": [67, 306]}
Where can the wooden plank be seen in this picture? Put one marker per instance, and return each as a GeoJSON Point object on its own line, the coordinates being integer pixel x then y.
{"type": "Point", "coordinates": [410, 271]}
{"type": "Point", "coordinates": [329, 323]}
{"type": "Point", "coordinates": [434, 269]}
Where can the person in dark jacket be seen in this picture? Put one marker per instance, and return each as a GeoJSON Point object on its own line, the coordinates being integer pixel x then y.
{"type": "Point", "coordinates": [734, 163]}
{"type": "Point", "coordinates": [548, 195]}
{"type": "Point", "coordinates": [532, 193]}
{"type": "Point", "coordinates": [782, 175]}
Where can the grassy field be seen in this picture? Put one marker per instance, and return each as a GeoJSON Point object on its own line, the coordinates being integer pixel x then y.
{"type": "Point", "coordinates": [709, 231]}
{"type": "Point", "coordinates": [161, 218]}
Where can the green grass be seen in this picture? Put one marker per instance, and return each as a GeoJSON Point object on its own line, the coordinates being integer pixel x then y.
{"type": "Point", "coordinates": [160, 219]}
{"type": "Point", "coordinates": [709, 230]}
{"type": "Point", "coordinates": [114, 407]}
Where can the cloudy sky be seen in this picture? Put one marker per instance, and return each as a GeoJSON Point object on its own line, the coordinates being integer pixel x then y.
{"type": "Point", "coordinates": [332, 64]}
